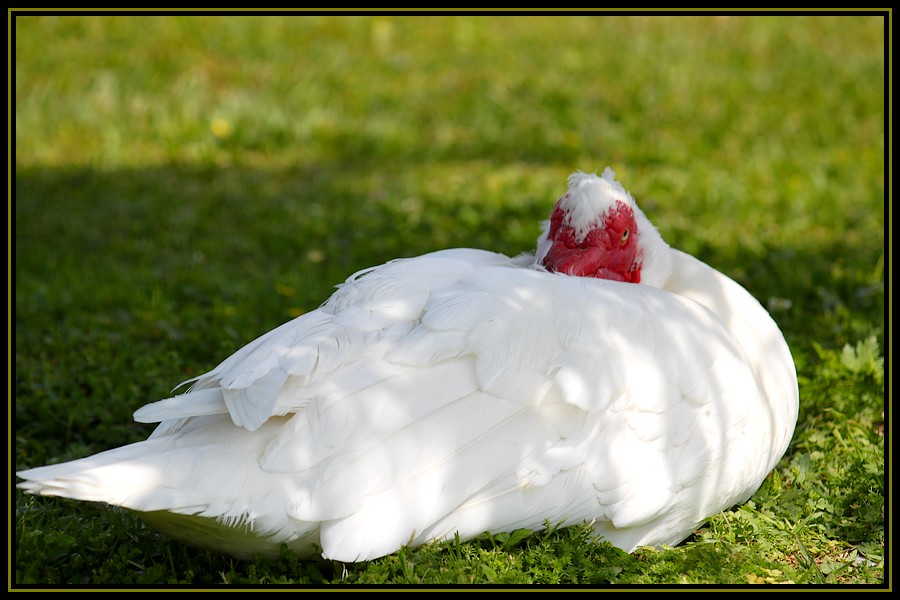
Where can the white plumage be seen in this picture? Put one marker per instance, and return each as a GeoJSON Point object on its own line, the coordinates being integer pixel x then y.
{"type": "Point", "coordinates": [464, 391]}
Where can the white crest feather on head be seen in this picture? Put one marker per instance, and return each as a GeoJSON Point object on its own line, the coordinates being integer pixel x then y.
{"type": "Point", "coordinates": [590, 198]}
{"type": "Point", "coordinates": [587, 202]}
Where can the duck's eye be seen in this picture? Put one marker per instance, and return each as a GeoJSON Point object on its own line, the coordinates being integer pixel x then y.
{"type": "Point", "coordinates": [624, 238]}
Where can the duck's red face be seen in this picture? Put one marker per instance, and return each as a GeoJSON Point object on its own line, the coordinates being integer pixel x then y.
{"type": "Point", "coordinates": [608, 250]}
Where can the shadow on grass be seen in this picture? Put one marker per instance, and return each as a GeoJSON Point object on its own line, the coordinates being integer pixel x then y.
{"type": "Point", "coordinates": [196, 261]}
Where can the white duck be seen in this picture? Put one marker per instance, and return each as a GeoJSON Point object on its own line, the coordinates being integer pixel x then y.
{"type": "Point", "coordinates": [464, 391]}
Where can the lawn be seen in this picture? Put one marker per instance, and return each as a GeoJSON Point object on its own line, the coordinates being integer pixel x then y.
{"type": "Point", "coordinates": [184, 184]}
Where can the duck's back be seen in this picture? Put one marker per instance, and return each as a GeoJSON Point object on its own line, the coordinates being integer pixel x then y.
{"type": "Point", "coordinates": [460, 391]}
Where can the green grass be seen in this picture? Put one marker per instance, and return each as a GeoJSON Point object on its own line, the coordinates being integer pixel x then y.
{"type": "Point", "coordinates": [183, 185]}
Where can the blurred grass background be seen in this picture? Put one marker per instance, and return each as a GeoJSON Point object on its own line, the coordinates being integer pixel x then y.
{"type": "Point", "coordinates": [186, 183]}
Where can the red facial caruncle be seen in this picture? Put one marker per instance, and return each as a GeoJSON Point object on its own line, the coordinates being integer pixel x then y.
{"type": "Point", "coordinates": [607, 250]}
